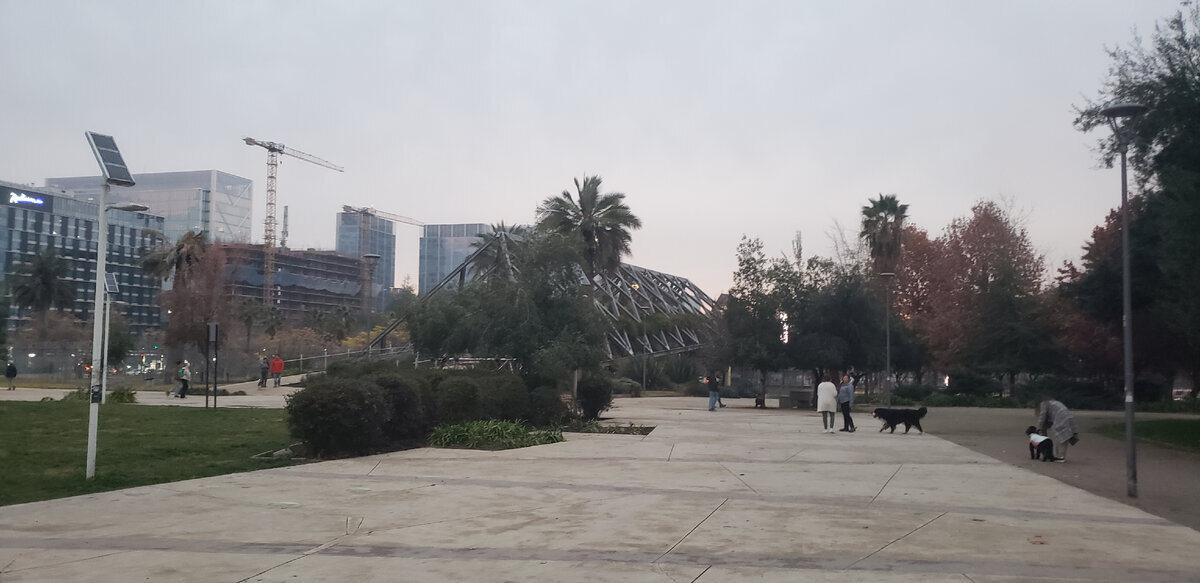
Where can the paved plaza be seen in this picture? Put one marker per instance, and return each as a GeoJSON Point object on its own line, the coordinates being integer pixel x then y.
{"type": "Point", "coordinates": [734, 495]}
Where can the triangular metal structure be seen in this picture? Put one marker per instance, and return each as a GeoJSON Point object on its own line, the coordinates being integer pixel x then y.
{"type": "Point", "coordinates": [672, 314]}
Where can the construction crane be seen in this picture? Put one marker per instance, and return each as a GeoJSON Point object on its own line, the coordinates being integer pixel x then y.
{"type": "Point", "coordinates": [273, 151]}
{"type": "Point", "coordinates": [366, 212]}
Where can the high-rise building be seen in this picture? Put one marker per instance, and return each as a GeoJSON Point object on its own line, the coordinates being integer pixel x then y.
{"type": "Point", "coordinates": [380, 239]}
{"type": "Point", "coordinates": [203, 200]}
{"type": "Point", "coordinates": [306, 282]}
{"type": "Point", "coordinates": [33, 219]}
{"type": "Point", "coordinates": [443, 248]}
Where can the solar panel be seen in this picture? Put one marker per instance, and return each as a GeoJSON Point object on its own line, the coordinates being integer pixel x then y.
{"type": "Point", "coordinates": [109, 157]}
{"type": "Point", "coordinates": [110, 283]}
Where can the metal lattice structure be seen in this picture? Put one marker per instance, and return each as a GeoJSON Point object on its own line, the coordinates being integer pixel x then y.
{"type": "Point", "coordinates": [651, 313]}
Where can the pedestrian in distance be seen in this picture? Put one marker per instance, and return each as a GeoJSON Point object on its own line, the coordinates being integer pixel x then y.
{"type": "Point", "coordinates": [264, 368]}
{"type": "Point", "coordinates": [827, 404]}
{"type": "Point", "coordinates": [714, 392]}
{"type": "Point", "coordinates": [845, 397]}
{"type": "Point", "coordinates": [184, 374]}
{"type": "Point", "coordinates": [277, 369]}
{"type": "Point", "coordinates": [11, 373]}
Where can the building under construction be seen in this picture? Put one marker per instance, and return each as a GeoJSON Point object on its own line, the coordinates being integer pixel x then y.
{"type": "Point", "coordinates": [305, 281]}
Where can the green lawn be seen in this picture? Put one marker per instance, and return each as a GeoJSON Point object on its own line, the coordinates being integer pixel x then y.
{"type": "Point", "coordinates": [43, 446]}
{"type": "Point", "coordinates": [1181, 433]}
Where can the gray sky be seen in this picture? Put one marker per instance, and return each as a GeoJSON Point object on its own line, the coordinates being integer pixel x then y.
{"type": "Point", "coordinates": [716, 119]}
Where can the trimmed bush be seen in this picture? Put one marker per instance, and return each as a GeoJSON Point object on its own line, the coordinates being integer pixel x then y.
{"type": "Point", "coordinates": [595, 395]}
{"type": "Point", "coordinates": [455, 400]}
{"type": "Point", "coordinates": [970, 382]}
{"type": "Point", "coordinates": [335, 416]}
{"type": "Point", "coordinates": [546, 406]}
{"type": "Point", "coordinates": [912, 392]}
{"type": "Point", "coordinates": [409, 418]}
{"type": "Point", "coordinates": [503, 396]}
{"type": "Point", "coordinates": [680, 369]}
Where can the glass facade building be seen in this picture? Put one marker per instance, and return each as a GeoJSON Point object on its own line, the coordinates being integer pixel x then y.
{"type": "Point", "coordinates": [33, 219]}
{"type": "Point", "coordinates": [443, 248]}
{"type": "Point", "coordinates": [202, 200]}
{"type": "Point", "coordinates": [380, 239]}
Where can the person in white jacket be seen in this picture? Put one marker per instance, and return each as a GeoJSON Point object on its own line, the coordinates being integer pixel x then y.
{"type": "Point", "coordinates": [827, 404]}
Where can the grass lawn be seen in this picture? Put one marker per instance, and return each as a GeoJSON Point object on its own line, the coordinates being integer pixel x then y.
{"type": "Point", "coordinates": [1181, 433]}
{"type": "Point", "coordinates": [43, 446]}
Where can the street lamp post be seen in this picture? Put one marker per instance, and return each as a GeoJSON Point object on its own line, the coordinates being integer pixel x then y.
{"type": "Point", "coordinates": [887, 327]}
{"type": "Point", "coordinates": [1124, 134]}
{"type": "Point", "coordinates": [371, 259]}
{"type": "Point", "coordinates": [100, 320]}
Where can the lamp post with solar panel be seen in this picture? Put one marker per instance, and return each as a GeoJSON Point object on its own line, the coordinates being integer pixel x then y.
{"type": "Point", "coordinates": [115, 172]}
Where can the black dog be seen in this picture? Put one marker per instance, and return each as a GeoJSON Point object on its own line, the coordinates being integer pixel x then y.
{"type": "Point", "coordinates": [1041, 446]}
{"type": "Point", "coordinates": [893, 417]}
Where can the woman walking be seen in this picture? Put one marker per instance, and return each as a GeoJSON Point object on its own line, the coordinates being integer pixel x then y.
{"type": "Point", "coordinates": [827, 404]}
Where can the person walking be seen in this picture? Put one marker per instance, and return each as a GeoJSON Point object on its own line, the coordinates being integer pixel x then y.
{"type": "Point", "coordinates": [277, 369]}
{"type": "Point", "coordinates": [714, 392]}
{"type": "Point", "coordinates": [827, 404]}
{"type": "Point", "coordinates": [185, 376]}
{"type": "Point", "coordinates": [1056, 421]}
{"type": "Point", "coordinates": [11, 373]}
{"type": "Point", "coordinates": [845, 398]}
{"type": "Point", "coordinates": [264, 368]}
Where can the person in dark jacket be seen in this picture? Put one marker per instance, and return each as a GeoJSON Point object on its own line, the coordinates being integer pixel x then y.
{"type": "Point", "coordinates": [11, 373]}
{"type": "Point", "coordinates": [845, 397]}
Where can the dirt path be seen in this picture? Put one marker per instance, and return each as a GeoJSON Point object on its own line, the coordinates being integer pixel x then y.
{"type": "Point", "coordinates": [1167, 478]}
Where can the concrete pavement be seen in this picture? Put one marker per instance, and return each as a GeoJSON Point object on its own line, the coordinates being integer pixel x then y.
{"type": "Point", "coordinates": [733, 495]}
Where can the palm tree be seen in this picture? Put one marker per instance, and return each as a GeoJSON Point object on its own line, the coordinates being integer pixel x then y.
{"type": "Point", "coordinates": [176, 261]}
{"type": "Point", "coordinates": [494, 251]}
{"type": "Point", "coordinates": [250, 311]}
{"type": "Point", "coordinates": [41, 285]}
{"type": "Point", "coordinates": [882, 224]}
{"type": "Point", "coordinates": [603, 221]}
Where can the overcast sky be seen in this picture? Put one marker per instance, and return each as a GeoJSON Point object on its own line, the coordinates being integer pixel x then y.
{"type": "Point", "coordinates": [716, 119]}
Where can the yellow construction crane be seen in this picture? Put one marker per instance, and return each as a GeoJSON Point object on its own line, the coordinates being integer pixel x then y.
{"type": "Point", "coordinates": [273, 151]}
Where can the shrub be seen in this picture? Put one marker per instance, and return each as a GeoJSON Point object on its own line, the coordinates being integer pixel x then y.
{"type": "Point", "coordinates": [491, 434]}
{"type": "Point", "coordinates": [408, 416]}
{"type": "Point", "coordinates": [970, 382]}
{"type": "Point", "coordinates": [335, 415]}
{"type": "Point", "coordinates": [595, 395]}
{"type": "Point", "coordinates": [503, 396]}
{"type": "Point", "coordinates": [912, 392]}
{"type": "Point", "coordinates": [680, 369]}
{"type": "Point", "coordinates": [626, 386]}
{"type": "Point", "coordinates": [455, 400]}
{"type": "Point", "coordinates": [1075, 394]}
{"type": "Point", "coordinates": [546, 406]}
{"type": "Point", "coordinates": [118, 395]}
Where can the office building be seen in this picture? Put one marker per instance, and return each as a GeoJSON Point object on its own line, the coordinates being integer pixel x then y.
{"type": "Point", "coordinates": [32, 219]}
{"type": "Point", "coordinates": [380, 239]}
{"type": "Point", "coordinates": [304, 282]}
{"type": "Point", "coordinates": [204, 200]}
{"type": "Point", "coordinates": [443, 248]}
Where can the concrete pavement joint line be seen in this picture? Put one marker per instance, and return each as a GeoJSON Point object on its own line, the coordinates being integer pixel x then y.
{"type": "Point", "coordinates": [968, 577]}
{"type": "Point", "coordinates": [885, 484]}
{"type": "Point", "coordinates": [739, 478]}
{"type": "Point", "coordinates": [821, 561]}
{"type": "Point", "coordinates": [269, 569]}
{"type": "Point", "coordinates": [689, 533]}
{"type": "Point", "coordinates": [806, 500]}
{"type": "Point", "coordinates": [670, 453]}
{"type": "Point", "coordinates": [927, 523]}
{"type": "Point", "coordinates": [701, 573]}
{"type": "Point", "coordinates": [100, 556]}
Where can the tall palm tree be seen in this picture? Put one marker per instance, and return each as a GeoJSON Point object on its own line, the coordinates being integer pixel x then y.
{"type": "Point", "coordinates": [882, 223]}
{"type": "Point", "coordinates": [176, 261]}
{"type": "Point", "coordinates": [42, 284]}
{"type": "Point", "coordinates": [603, 221]}
{"type": "Point", "coordinates": [494, 251]}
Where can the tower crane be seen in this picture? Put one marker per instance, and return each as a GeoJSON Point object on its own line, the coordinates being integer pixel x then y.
{"type": "Point", "coordinates": [274, 149]}
{"type": "Point", "coordinates": [366, 212]}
